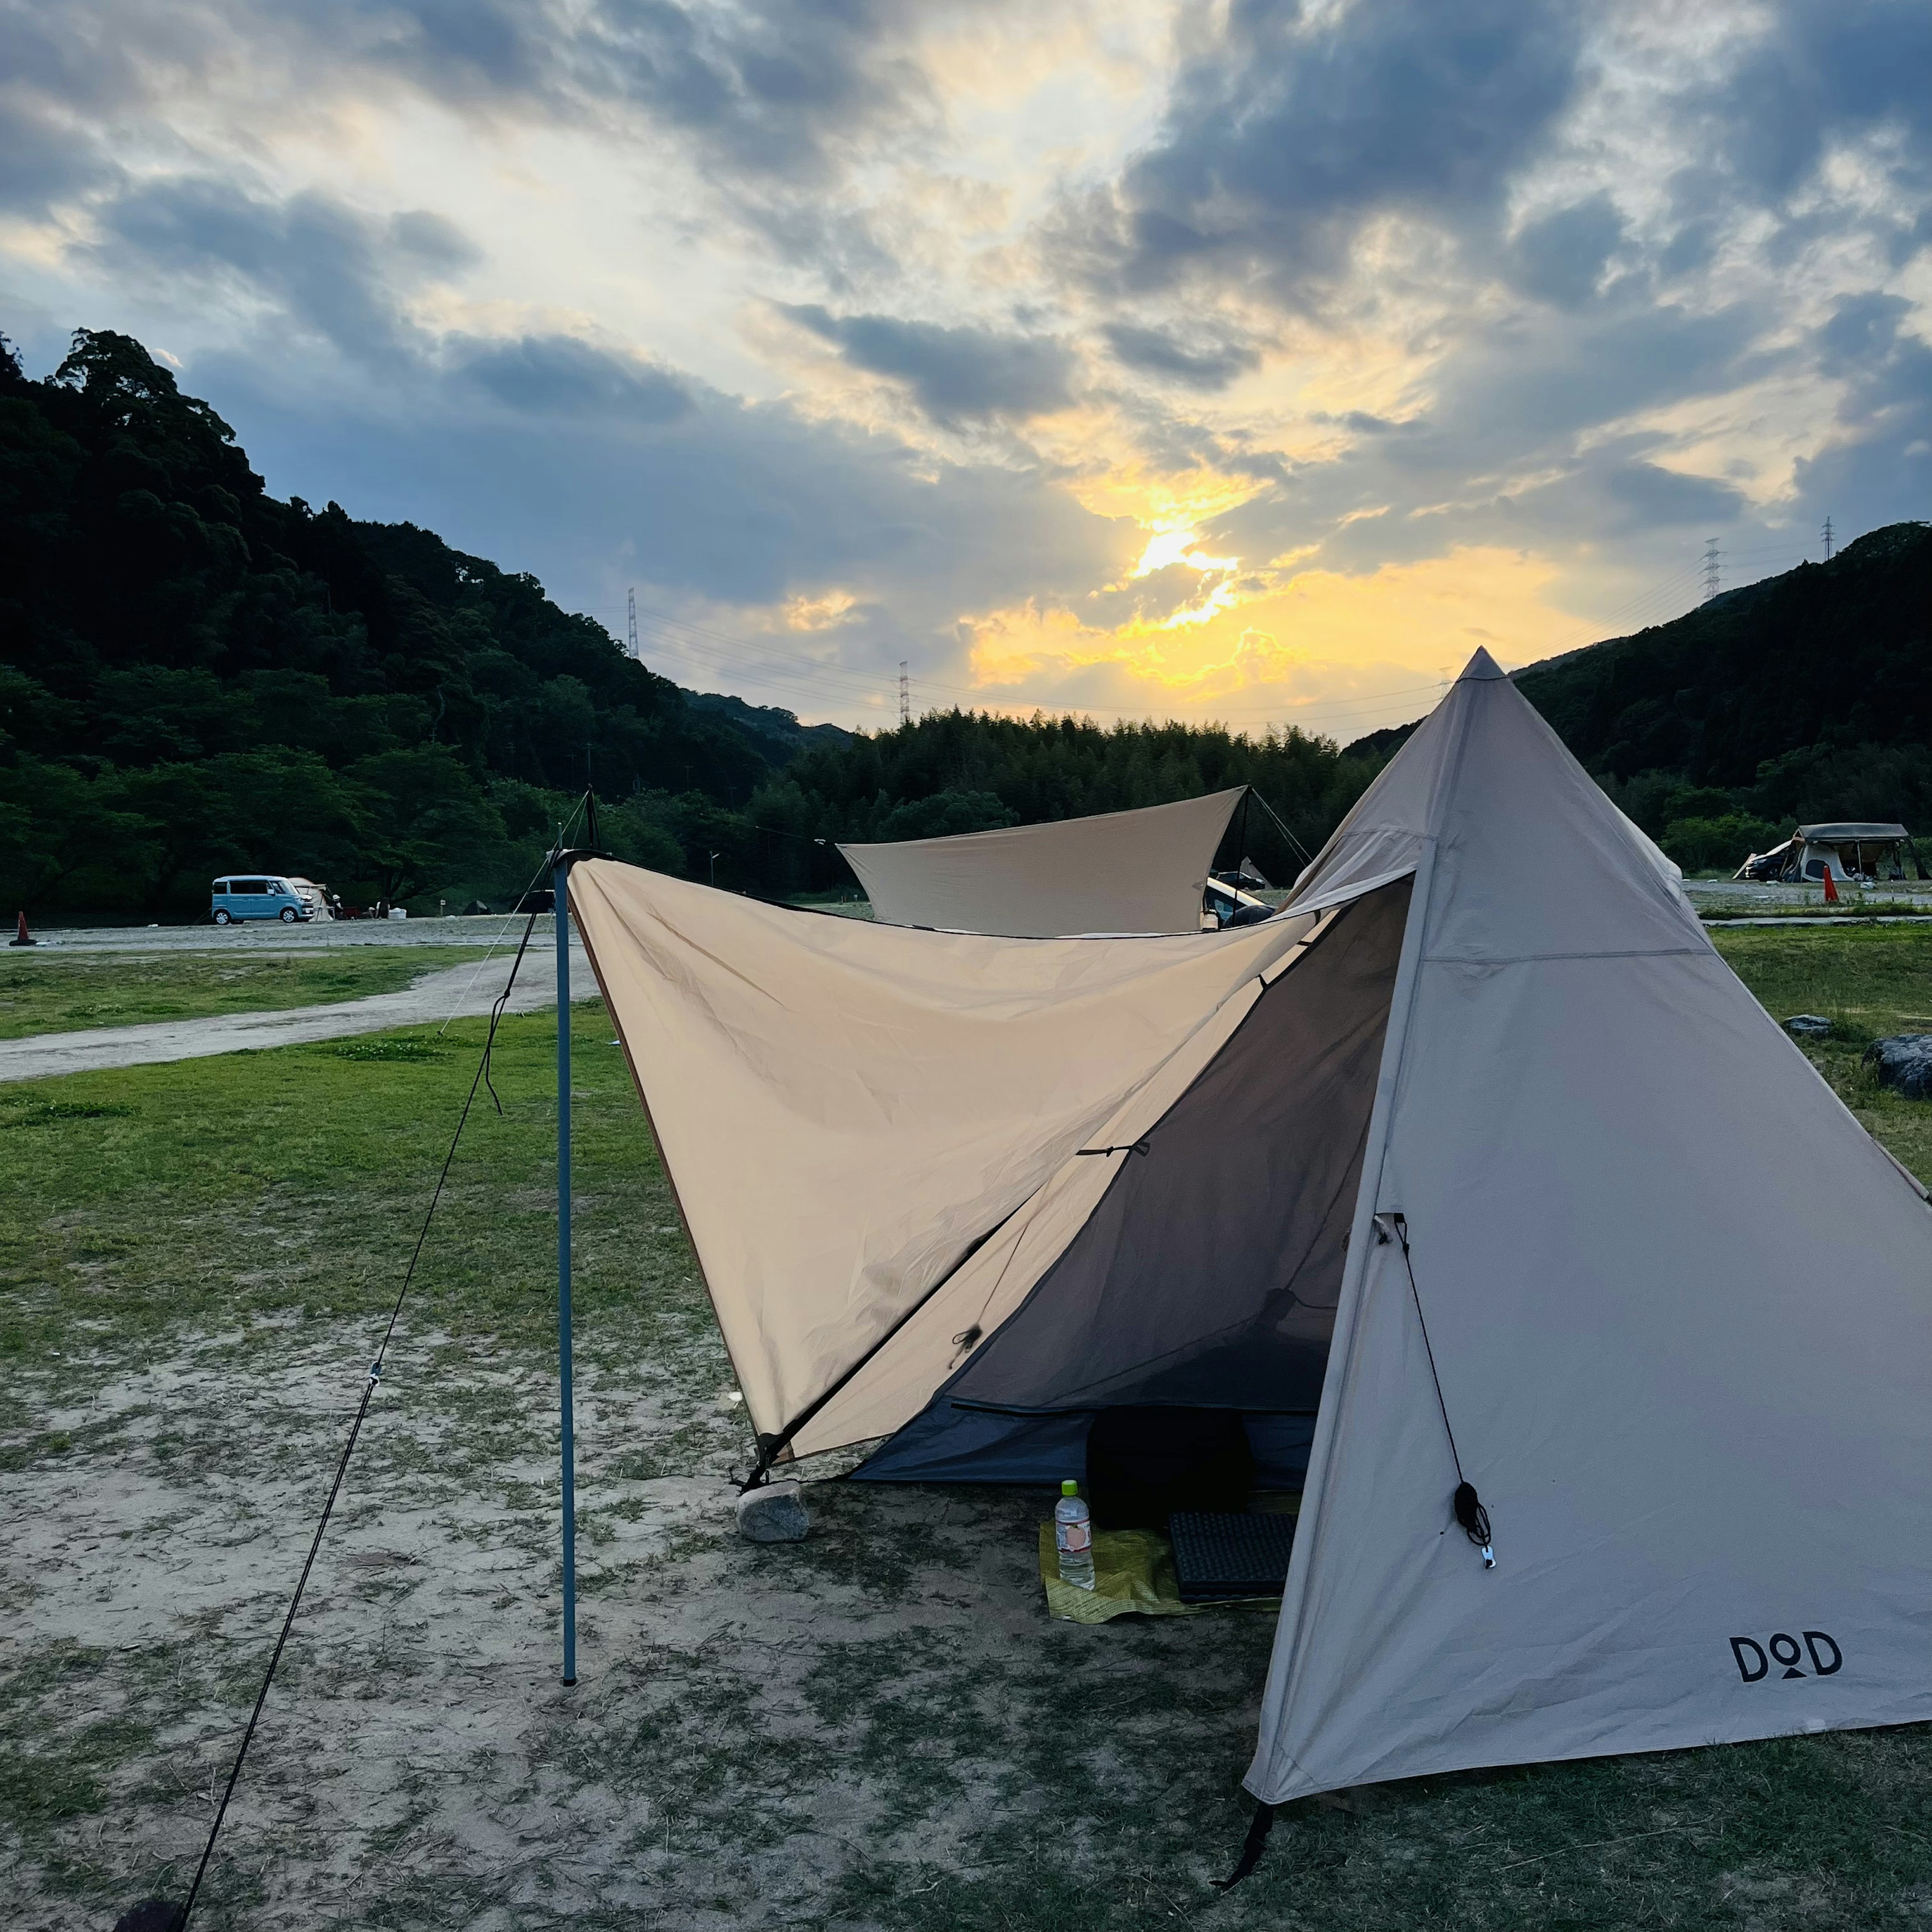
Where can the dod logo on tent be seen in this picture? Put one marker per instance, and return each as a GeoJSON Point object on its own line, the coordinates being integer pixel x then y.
{"type": "Point", "coordinates": [1446, 1171]}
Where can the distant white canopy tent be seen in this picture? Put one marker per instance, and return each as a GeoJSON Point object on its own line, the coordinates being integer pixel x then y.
{"type": "Point", "coordinates": [1118, 871]}
{"type": "Point", "coordinates": [1489, 1113]}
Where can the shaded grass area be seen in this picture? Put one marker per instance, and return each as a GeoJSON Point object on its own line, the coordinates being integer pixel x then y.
{"type": "Point", "coordinates": [1868, 981]}
{"type": "Point", "coordinates": [876, 1729]}
{"type": "Point", "coordinates": [39, 994]}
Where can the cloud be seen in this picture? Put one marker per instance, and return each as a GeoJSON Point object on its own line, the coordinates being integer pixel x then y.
{"type": "Point", "coordinates": [1560, 257]}
{"type": "Point", "coordinates": [331, 271]}
{"type": "Point", "coordinates": [1819, 73]}
{"type": "Point", "coordinates": [1878, 466]}
{"type": "Point", "coordinates": [956, 373]}
{"type": "Point", "coordinates": [563, 376]}
{"type": "Point", "coordinates": [776, 89]}
{"type": "Point", "coordinates": [1208, 364]}
{"type": "Point", "coordinates": [1296, 125]}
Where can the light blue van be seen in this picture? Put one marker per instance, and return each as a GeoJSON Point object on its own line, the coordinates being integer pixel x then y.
{"type": "Point", "coordinates": [253, 896]}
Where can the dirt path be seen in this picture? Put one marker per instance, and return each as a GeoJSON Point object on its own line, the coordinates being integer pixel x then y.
{"type": "Point", "coordinates": [459, 991]}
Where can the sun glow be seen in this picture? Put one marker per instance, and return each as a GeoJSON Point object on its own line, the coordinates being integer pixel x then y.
{"type": "Point", "coordinates": [1271, 644]}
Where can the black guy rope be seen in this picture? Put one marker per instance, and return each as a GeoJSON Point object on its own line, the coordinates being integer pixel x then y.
{"type": "Point", "coordinates": [1465, 1504]}
{"type": "Point", "coordinates": [157, 1915]}
{"type": "Point", "coordinates": [1259, 1825]}
{"type": "Point", "coordinates": [1300, 850]}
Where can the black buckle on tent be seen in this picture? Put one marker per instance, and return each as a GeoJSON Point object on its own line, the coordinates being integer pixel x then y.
{"type": "Point", "coordinates": [1137, 1147]}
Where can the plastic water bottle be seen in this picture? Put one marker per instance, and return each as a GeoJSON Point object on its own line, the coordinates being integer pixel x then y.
{"type": "Point", "coordinates": [1073, 1536]}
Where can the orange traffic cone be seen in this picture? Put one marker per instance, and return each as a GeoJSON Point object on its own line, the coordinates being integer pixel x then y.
{"type": "Point", "coordinates": [1831, 890]}
{"type": "Point", "coordinates": [23, 937]}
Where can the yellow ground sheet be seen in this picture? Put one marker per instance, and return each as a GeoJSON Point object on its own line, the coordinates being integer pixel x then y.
{"type": "Point", "coordinates": [1133, 1575]}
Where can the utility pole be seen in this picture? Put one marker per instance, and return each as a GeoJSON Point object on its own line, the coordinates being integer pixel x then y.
{"type": "Point", "coordinates": [1712, 581]}
{"type": "Point", "coordinates": [1828, 539]}
{"type": "Point", "coordinates": [905, 695]}
{"type": "Point", "coordinates": [633, 644]}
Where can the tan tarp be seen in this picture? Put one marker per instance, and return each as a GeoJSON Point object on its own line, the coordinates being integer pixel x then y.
{"type": "Point", "coordinates": [844, 1108]}
{"type": "Point", "coordinates": [1117, 872]}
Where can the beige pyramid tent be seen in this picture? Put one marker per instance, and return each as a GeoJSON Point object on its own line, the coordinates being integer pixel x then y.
{"type": "Point", "coordinates": [1453, 1168]}
{"type": "Point", "coordinates": [1113, 872]}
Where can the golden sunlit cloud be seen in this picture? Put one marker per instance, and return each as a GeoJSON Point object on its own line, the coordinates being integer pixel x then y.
{"type": "Point", "coordinates": [1314, 637]}
{"type": "Point", "coordinates": [819, 613]}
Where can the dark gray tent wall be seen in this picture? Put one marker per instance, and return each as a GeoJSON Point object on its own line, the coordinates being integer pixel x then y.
{"type": "Point", "coordinates": [1207, 1275]}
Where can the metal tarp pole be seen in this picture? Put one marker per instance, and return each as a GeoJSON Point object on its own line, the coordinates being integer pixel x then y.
{"type": "Point", "coordinates": [560, 877]}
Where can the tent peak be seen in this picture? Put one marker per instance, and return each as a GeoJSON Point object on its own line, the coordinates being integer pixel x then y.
{"type": "Point", "coordinates": [1482, 665]}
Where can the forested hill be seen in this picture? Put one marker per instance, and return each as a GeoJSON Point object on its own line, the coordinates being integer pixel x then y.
{"type": "Point", "coordinates": [196, 678]}
{"type": "Point", "coordinates": [1806, 697]}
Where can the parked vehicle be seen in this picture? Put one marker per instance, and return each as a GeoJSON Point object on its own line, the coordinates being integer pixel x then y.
{"type": "Point", "coordinates": [1224, 903]}
{"type": "Point", "coordinates": [254, 896]}
{"type": "Point", "coordinates": [1854, 852]}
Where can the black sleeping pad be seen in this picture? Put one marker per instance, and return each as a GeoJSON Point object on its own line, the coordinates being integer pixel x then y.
{"type": "Point", "coordinates": [1218, 1555]}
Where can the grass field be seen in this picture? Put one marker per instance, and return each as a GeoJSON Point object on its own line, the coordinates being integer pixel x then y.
{"type": "Point", "coordinates": [40, 995]}
{"type": "Point", "coordinates": [877, 1728]}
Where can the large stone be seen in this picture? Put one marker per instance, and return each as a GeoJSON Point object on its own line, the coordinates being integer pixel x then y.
{"type": "Point", "coordinates": [1904, 1062]}
{"type": "Point", "coordinates": [773, 1514]}
{"type": "Point", "coordinates": [1808, 1026]}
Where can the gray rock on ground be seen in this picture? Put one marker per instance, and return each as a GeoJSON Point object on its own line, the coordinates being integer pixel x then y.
{"type": "Point", "coordinates": [1904, 1063]}
{"type": "Point", "coordinates": [1808, 1026]}
{"type": "Point", "coordinates": [774, 1514]}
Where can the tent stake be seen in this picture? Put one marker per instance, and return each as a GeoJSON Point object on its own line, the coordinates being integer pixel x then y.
{"type": "Point", "coordinates": [566, 1403]}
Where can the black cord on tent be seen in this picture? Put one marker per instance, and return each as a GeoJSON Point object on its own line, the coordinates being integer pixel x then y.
{"type": "Point", "coordinates": [157, 1915]}
{"type": "Point", "coordinates": [1466, 1504]}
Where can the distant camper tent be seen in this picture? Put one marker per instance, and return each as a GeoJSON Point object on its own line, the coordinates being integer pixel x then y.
{"type": "Point", "coordinates": [1489, 1114]}
{"type": "Point", "coordinates": [1853, 851]}
{"type": "Point", "coordinates": [1140, 871]}
{"type": "Point", "coordinates": [315, 897]}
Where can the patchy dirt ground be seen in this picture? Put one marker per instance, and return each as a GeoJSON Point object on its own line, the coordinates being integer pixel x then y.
{"type": "Point", "coordinates": [758, 1733]}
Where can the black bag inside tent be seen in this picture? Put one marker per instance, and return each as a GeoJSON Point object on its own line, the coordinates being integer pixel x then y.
{"type": "Point", "coordinates": [1143, 1464]}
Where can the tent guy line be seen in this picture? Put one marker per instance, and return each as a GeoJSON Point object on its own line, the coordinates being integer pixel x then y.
{"type": "Point", "coordinates": [156, 1911]}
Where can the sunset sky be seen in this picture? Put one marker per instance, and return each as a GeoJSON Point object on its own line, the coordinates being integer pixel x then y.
{"type": "Point", "coordinates": [1253, 362]}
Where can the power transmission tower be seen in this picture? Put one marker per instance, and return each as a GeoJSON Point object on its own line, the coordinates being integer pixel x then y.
{"type": "Point", "coordinates": [905, 695]}
{"type": "Point", "coordinates": [633, 645]}
{"type": "Point", "coordinates": [1712, 555]}
{"type": "Point", "coordinates": [1828, 539]}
